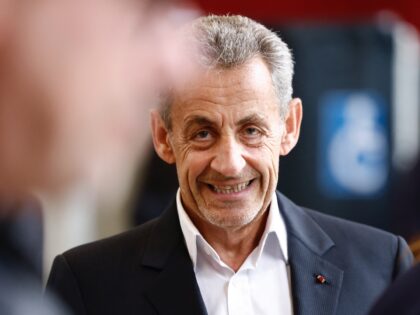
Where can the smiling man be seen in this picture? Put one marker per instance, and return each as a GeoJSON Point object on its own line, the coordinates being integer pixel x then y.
{"type": "Point", "coordinates": [229, 243]}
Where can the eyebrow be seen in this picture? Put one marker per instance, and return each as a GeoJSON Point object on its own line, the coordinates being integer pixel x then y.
{"type": "Point", "coordinates": [197, 120]}
{"type": "Point", "coordinates": [255, 119]}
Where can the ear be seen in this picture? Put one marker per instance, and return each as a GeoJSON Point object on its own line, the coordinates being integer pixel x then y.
{"type": "Point", "coordinates": [292, 124]}
{"type": "Point", "coordinates": [160, 137]}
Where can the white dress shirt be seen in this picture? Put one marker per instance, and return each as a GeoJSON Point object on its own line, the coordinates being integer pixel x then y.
{"type": "Point", "coordinates": [261, 286]}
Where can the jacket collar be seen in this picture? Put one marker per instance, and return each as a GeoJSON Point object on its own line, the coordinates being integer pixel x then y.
{"type": "Point", "coordinates": [308, 245]}
{"type": "Point", "coordinates": [301, 226]}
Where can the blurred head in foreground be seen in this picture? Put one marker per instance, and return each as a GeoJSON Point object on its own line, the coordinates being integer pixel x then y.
{"type": "Point", "coordinates": [77, 78]}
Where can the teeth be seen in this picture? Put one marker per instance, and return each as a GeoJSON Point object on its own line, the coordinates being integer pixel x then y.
{"type": "Point", "coordinates": [230, 189]}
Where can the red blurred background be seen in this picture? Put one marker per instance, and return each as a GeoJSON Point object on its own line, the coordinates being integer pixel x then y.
{"type": "Point", "coordinates": [272, 11]}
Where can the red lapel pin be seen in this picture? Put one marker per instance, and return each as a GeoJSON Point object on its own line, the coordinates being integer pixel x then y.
{"type": "Point", "coordinates": [320, 279]}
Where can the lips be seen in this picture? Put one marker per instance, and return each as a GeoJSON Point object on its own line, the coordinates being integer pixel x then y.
{"type": "Point", "coordinates": [229, 189]}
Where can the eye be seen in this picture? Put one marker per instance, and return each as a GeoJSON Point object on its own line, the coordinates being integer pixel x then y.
{"type": "Point", "coordinates": [252, 135]}
{"type": "Point", "coordinates": [252, 131]}
{"type": "Point", "coordinates": [202, 135]}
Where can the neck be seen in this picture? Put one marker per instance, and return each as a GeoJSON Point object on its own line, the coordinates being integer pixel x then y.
{"type": "Point", "coordinates": [234, 245]}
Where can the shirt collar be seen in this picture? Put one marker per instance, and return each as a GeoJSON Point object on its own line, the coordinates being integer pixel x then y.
{"type": "Point", "coordinates": [275, 225]}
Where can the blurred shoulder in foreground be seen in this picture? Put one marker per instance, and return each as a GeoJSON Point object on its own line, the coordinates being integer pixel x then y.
{"type": "Point", "coordinates": [21, 261]}
{"type": "Point", "coordinates": [402, 297]}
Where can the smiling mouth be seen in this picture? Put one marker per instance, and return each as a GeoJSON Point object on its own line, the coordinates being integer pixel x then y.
{"type": "Point", "coordinates": [229, 189]}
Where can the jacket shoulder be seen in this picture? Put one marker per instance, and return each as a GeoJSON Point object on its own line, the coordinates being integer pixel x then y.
{"type": "Point", "coordinates": [100, 277]}
{"type": "Point", "coordinates": [342, 226]}
{"type": "Point", "coordinates": [361, 242]}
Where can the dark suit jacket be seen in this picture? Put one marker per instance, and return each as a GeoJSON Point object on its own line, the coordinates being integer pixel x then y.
{"type": "Point", "coordinates": [403, 297]}
{"type": "Point", "coordinates": [148, 270]}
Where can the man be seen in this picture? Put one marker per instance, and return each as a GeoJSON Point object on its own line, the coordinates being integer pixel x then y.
{"type": "Point", "coordinates": [231, 244]}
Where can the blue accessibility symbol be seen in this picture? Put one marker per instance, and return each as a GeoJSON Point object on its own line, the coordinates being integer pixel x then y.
{"type": "Point", "coordinates": [354, 146]}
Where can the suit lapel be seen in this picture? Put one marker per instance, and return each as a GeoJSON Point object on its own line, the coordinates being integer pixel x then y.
{"type": "Point", "coordinates": [309, 295]}
{"type": "Point", "coordinates": [175, 290]}
{"type": "Point", "coordinates": [307, 245]}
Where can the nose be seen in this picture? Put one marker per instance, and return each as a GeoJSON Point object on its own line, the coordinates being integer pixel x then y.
{"type": "Point", "coordinates": [228, 160]}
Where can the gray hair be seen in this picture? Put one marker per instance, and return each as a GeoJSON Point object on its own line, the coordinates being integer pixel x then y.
{"type": "Point", "coordinates": [230, 41]}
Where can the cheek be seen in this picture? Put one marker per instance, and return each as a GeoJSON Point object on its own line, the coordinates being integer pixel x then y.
{"type": "Point", "coordinates": [191, 164]}
{"type": "Point", "coordinates": [272, 151]}
{"type": "Point", "coordinates": [265, 158]}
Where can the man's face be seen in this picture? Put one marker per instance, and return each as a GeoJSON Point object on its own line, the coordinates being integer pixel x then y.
{"type": "Point", "coordinates": [226, 140]}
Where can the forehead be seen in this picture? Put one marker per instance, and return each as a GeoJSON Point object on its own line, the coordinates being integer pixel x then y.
{"type": "Point", "coordinates": [233, 92]}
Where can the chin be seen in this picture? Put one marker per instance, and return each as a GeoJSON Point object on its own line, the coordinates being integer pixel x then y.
{"type": "Point", "coordinates": [233, 221]}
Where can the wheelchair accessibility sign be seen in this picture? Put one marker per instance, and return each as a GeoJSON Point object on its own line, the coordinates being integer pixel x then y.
{"type": "Point", "coordinates": [353, 144]}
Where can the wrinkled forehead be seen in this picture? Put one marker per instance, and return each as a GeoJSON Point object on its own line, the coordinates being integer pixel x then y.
{"type": "Point", "coordinates": [251, 80]}
{"type": "Point", "coordinates": [227, 93]}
